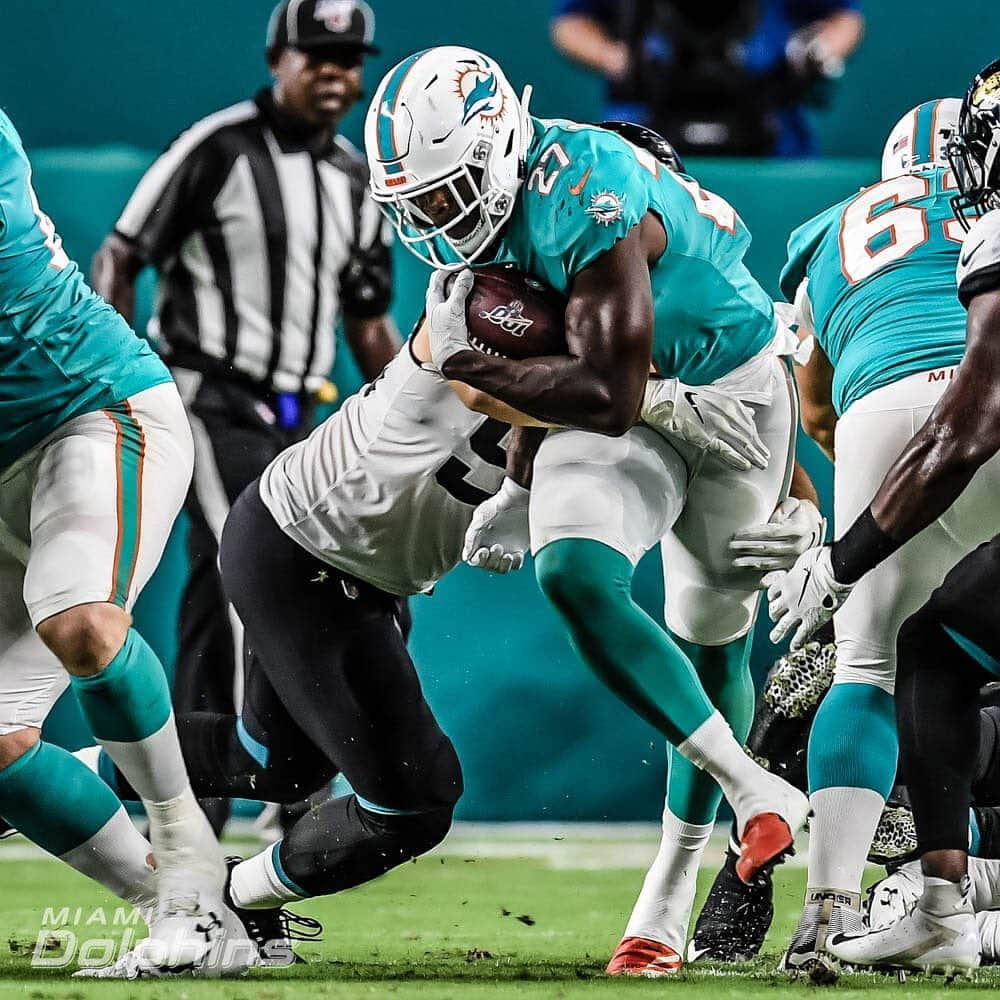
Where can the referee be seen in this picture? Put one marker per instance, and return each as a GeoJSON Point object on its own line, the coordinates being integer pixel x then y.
{"type": "Point", "coordinates": [258, 220]}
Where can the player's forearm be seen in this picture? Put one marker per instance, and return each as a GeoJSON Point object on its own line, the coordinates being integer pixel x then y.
{"type": "Point", "coordinates": [583, 40]}
{"type": "Point", "coordinates": [558, 390]}
{"type": "Point", "coordinates": [374, 342]}
{"type": "Point", "coordinates": [523, 445]}
{"type": "Point", "coordinates": [113, 273]}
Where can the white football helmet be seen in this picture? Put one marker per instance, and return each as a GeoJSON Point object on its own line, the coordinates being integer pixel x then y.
{"type": "Point", "coordinates": [919, 140]}
{"type": "Point", "coordinates": [446, 131]}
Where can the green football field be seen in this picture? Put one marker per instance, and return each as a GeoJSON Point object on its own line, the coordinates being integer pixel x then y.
{"type": "Point", "coordinates": [474, 921]}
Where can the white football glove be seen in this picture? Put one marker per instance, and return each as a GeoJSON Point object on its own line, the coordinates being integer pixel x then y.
{"type": "Point", "coordinates": [707, 419]}
{"type": "Point", "coordinates": [497, 538]}
{"type": "Point", "coordinates": [446, 315]}
{"type": "Point", "coordinates": [795, 525]}
{"type": "Point", "coordinates": [805, 597]}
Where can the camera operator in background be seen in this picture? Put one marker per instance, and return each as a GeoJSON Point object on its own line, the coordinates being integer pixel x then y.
{"type": "Point", "coordinates": [720, 77]}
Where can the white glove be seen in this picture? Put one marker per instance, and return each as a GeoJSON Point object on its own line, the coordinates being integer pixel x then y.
{"type": "Point", "coordinates": [706, 418]}
{"type": "Point", "coordinates": [497, 538]}
{"type": "Point", "coordinates": [796, 525]}
{"type": "Point", "coordinates": [805, 597]}
{"type": "Point", "coordinates": [446, 315]}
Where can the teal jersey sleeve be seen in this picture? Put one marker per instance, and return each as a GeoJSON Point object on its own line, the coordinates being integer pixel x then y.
{"type": "Point", "coordinates": [881, 270]}
{"type": "Point", "coordinates": [582, 194]}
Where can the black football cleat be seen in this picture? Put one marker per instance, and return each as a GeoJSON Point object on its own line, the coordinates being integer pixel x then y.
{"type": "Point", "coordinates": [735, 919]}
{"type": "Point", "coordinates": [273, 930]}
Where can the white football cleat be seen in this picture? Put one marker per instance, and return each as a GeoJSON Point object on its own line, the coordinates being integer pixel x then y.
{"type": "Point", "coordinates": [209, 941]}
{"type": "Point", "coordinates": [945, 941]}
{"type": "Point", "coordinates": [768, 818]}
{"type": "Point", "coordinates": [826, 912]}
{"type": "Point", "coordinates": [894, 896]}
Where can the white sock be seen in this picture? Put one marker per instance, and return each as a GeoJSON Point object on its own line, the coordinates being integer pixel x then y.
{"type": "Point", "coordinates": [154, 767]}
{"type": "Point", "coordinates": [89, 756]}
{"type": "Point", "coordinates": [184, 845]}
{"type": "Point", "coordinates": [714, 749]}
{"type": "Point", "coordinates": [663, 910]}
{"type": "Point", "coordinates": [118, 857]}
{"type": "Point", "coordinates": [840, 834]}
{"type": "Point", "coordinates": [256, 884]}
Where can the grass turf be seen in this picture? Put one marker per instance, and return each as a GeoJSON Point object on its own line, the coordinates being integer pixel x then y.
{"type": "Point", "coordinates": [444, 927]}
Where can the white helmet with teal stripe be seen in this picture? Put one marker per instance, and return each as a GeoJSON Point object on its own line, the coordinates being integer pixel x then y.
{"type": "Point", "coordinates": [920, 138]}
{"type": "Point", "coordinates": [446, 137]}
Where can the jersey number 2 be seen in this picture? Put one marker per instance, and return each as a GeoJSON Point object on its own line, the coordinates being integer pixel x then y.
{"type": "Point", "coordinates": [878, 227]}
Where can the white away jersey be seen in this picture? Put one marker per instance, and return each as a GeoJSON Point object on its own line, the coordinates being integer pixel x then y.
{"type": "Point", "coordinates": [385, 488]}
{"type": "Point", "coordinates": [979, 262]}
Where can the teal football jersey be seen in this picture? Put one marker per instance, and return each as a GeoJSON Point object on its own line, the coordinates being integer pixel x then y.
{"type": "Point", "coordinates": [881, 269]}
{"type": "Point", "coordinates": [585, 188]}
{"type": "Point", "coordinates": [63, 349]}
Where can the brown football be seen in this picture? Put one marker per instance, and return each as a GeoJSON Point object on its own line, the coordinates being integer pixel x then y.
{"type": "Point", "coordinates": [512, 314]}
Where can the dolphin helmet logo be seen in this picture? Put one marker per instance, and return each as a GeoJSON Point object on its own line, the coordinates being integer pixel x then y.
{"type": "Point", "coordinates": [480, 93]}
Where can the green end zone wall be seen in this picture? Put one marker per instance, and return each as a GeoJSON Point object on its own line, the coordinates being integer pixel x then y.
{"type": "Point", "coordinates": [539, 738]}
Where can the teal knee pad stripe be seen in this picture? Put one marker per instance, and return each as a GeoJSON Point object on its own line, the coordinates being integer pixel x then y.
{"type": "Point", "coordinates": [279, 870]}
{"type": "Point", "coordinates": [54, 799]}
{"type": "Point", "coordinates": [853, 742]}
{"type": "Point", "coordinates": [976, 653]}
{"type": "Point", "coordinates": [129, 699]}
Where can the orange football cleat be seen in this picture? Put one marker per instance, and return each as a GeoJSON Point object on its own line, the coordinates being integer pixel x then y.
{"type": "Point", "coordinates": [766, 839]}
{"type": "Point", "coordinates": [636, 956]}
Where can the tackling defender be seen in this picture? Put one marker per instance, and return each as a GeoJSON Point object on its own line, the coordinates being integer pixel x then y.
{"type": "Point", "coordinates": [468, 176]}
{"type": "Point", "coordinates": [947, 646]}
{"type": "Point", "coordinates": [95, 459]}
{"type": "Point", "coordinates": [873, 279]}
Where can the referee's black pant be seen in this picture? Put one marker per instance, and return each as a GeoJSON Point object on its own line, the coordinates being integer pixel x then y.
{"type": "Point", "coordinates": [237, 433]}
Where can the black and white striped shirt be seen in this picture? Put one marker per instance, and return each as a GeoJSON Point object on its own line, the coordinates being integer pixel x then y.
{"type": "Point", "coordinates": [261, 237]}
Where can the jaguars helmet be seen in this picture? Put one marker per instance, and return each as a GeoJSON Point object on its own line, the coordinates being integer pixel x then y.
{"type": "Point", "coordinates": [652, 142]}
{"type": "Point", "coordinates": [974, 152]}
{"type": "Point", "coordinates": [446, 122]}
{"type": "Point", "coordinates": [920, 138]}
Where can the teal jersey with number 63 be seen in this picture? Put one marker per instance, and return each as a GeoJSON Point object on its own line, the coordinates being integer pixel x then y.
{"type": "Point", "coordinates": [585, 188]}
{"type": "Point", "coordinates": [881, 271]}
{"type": "Point", "coordinates": [63, 350]}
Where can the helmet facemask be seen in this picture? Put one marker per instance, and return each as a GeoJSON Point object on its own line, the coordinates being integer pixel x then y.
{"type": "Point", "coordinates": [974, 156]}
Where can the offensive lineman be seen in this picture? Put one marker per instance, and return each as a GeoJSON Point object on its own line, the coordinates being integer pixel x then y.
{"type": "Point", "coordinates": [946, 648]}
{"type": "Point", "coordinates": [873, 280]}
{"type": "Point", "coordinates": [468, 176]}
{"type": "Point", "coordinates": [95, 459]}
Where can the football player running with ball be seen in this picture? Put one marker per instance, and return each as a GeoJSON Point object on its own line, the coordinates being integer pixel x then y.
{"type": "Point", "coordinates": [653, 269]}
{"type": "Point", "coordinates": [951, 645]}
{"type": "Point", "coordinates": [874, 278]}
{"type": "Point", "coordinates": [95, 459]}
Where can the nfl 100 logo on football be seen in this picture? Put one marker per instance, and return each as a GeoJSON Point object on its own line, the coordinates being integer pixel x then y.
{"type": "Point", "coordinates": [510, 318]}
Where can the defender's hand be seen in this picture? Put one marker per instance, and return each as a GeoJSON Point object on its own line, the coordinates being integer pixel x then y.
{"type": "Point", "coordinates": [707, 419]}
{"type": "Point", "coordinates": [805, 597]}
{"type": "Point", "coordinates": [497, 538]}
{"type": "Point", "coordinates": [795, 525]}
{"type": "Point", "coordinates": [446, 316]}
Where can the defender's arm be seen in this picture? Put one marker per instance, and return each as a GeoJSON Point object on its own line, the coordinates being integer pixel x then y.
{"type": "Point", "coordinates": [113, 273]}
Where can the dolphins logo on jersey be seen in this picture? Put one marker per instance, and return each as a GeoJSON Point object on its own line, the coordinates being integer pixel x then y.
{"type": "Point", "coordinates": [606, 207]}
{"type": "Point", "coordinates": [510, 318]}
{"type": "Point", "coordinates": [480, 91]}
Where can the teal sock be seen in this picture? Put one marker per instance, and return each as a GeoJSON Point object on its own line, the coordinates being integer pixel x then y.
{"type": "Point", "coordinates": [129, 699]}
{"type": "Point", "coordinates": [853, 741]}
{"type": "Point", "coordinates": [590, 586]}
{"type": "Point", "coordinates": [54, 799]}
{"type": "Point", "coordinates": [694, 795]}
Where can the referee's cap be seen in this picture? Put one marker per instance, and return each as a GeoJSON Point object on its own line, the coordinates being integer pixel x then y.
{"type": "Point", "coordinates": [318, 24]}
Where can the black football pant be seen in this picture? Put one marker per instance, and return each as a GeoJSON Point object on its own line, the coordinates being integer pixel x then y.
{"type": "Point", "coordinates": [945, 653]}
{"type": "Point", "coordinates": [329, 685]}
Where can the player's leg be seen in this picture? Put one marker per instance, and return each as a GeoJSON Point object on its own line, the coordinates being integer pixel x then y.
{"type": "Point", "coordinates": [710, 610]}
{"type": "Point", "coordinates": [46, 793]}
{"type": "Point", "coordinates": [108, 487]}
{"type": "Point", "coordinates": [735, 918]}
{"type": "Point", "coordinates": [597, 504]}
{"type": "Point", "coordinates": [333, 651]}
{"type": "Point", "coordinates": [946, 651]}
